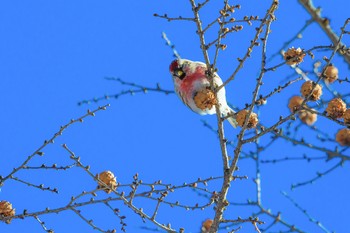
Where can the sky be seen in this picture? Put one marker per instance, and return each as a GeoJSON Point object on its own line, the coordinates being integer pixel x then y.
{"type": "Point", "coordinates": [55, 54]}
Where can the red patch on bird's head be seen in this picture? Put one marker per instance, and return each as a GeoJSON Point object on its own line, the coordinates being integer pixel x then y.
{"type": "Point", "coordinates": [173, 66]}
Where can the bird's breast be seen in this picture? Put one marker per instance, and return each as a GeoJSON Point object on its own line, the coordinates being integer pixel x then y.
{"type": "Point", "coordinates": [193, 83]}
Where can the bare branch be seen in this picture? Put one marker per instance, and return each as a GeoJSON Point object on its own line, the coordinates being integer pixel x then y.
{"type": "Point", "coordinates": [323, 22]}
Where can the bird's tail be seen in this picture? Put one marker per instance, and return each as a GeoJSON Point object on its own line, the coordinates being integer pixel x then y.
{"type": "Point", "coordinates": [232, 121]}
{"type": "Point", "coordinates": [228, 114]}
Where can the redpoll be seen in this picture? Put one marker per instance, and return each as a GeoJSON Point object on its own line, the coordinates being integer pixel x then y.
{"type": "Point", "coordinates": [193, 88]}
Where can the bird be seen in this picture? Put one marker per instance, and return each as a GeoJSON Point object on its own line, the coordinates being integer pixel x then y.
{"type": "Point", "coordinates": [192, 85]}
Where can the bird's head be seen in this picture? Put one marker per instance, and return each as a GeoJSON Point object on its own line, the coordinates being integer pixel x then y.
{"type": "Point", "coordinates": [180, 68]}
{"type": "Point", "coordinates": [177, 70]}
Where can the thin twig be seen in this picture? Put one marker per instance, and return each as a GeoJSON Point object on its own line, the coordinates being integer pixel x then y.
{"type": "Point", "coordinates": [318, 176]}
{"type": "Point", "coordinates": [139, 89]}
{"type": "Point", "coordinates": [41, 186]}
{"type": "Point", "coordinates": [311, 219]}
{"type": "Point", "coordinates": [49, 141]}
{"type": "Point", "coordinates": [323, 22]}
{"type": "Point", "coordinates": [42, 224]}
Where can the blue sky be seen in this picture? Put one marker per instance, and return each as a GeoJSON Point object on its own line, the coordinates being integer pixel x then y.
{"type": "Point", "coordinates": [57, 53]}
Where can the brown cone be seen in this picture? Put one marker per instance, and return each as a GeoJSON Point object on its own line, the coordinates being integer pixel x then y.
{"type": "Point", "coordinates": [336, 108]}
{"type": "Point", "coordinates": [308, 117]}
{"type": "Point", "coordinates": [346, 116]}
{"type": "Point", "coordinates": [252, 122]}
{"type": "Point", "coordinates": [294, 103]}
{"type": "Point", "coordinates": [331, 73]}
{"type": "Point", "coordinates": [306, 90]}
{"type": "Point", "coordinates": [294, 56]}
{"type": "Point", "coordinates": [343, 137]}
{"type": "Point", "coordinates": [108, 178]}
{"type": "Point", "coordinates": [206, 225]}
{"type": "Point", "coordinates": [205, 99]}
{"type": "Point", "coordinates": [6, 210]}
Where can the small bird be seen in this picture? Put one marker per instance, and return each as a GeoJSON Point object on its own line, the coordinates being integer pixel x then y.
{"type": "Point", "coordinates": [193, 88]}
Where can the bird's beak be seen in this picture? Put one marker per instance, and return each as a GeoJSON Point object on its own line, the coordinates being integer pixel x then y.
{"type": "Point", "coordinates": [179, 73]}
